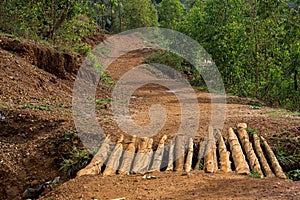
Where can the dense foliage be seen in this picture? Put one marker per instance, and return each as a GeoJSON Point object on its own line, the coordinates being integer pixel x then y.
{"type": "Point", "coordinates": [171, 13]}
{"type": "Point", "coordinates": [255, 44]}
{"type": "Point", "coordinates": [138, 13]}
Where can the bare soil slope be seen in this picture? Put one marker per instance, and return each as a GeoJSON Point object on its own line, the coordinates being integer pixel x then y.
{"type": "Point", "coordinates": [36, 83]}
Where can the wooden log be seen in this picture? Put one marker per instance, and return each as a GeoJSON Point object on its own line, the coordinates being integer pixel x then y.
{"type": "Point", "coordinates": [142, 148]}
{"type": "Point", "coordinates": [274, 162]}
{"type": "Point", "coordinates": [94, 168]}
{"type": "Point", "coordinates": [114, 159]}
{"type": "Point", "coordinates": [158, 155]}
{"type": "Point", "coordinates": [215, 159]}
{"type": "Point", "coordinates": [201, 152]}
{"type": "Point", "coordinates": [189, 158]}
{"type": "Point", "coordinates": [225, 163]}
{"type": "Point", "coordinates": [247, 146]}
{"type": "Point", "coordinates": [171, 157]}
{"type": "Point", "coordinates": [179, 153]}
{"type": "Point", "coordinates": [260, 154]}
{"type": "Point", "coordinates": [150, 153]}
{"type": "Point", "coordinates": [146, 158]}
{"type": "Point", "coordinates": [210, 158]}
{"type": "Point", "coordinates": [241, 166]}
{"type": "Point", "coordinates": [128, 157]}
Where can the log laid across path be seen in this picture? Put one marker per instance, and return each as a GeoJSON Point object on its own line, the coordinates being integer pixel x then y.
{"type": "Point", "coordinates": [217, 153]}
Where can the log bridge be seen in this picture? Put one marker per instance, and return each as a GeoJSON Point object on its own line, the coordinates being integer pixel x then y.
{"type": "Point", "coordinates": [236, 151]}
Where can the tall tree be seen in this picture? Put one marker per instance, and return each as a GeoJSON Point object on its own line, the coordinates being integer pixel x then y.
{"type": "Point", "coordinates": [138, 13]}
{"type": "Point", "coordinates": [171, 13]}
{"type": "Point", "coordinates": [41, 17]}
{"type": "Point", "coordinates": [254, 43]}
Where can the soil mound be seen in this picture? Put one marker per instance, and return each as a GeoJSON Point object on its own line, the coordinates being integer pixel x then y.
{"type": "Point", "coordinates": [44, 57]}
{"type": "Point", "coordinates": [36, 83]}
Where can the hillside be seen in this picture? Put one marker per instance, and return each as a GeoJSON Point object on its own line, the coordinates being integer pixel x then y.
{"type": "Point", "coordinates": [36, 96]}
{"type": "Point", "coordinates": [37, 132]}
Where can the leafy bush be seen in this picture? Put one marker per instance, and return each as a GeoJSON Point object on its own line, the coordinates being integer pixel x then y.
{"type": "Point", "coordinates": [179, 64]}
{"type": "Point", "coordinates": [78, 160]}
{"type": "Point", "coordinates": [73, 155]}
{"type": "Point", "coordinates": [138, 13]}
{"type": "Point", "coordinates": [286, 160]}
{"type": "Point", "coordinates": [171, 13]}
{"type": "Point", "coordinates": [294, 175]}
{"type": "Point", "coordinates": [257, 54]}
{"type": "Point", "coordinates": [71, 33]}
{"type": "Point", "coordinates": [83, 49]}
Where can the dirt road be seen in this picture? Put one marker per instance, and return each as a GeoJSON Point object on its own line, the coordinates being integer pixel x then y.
{"type": "Point", "coordinates": [171, 185]}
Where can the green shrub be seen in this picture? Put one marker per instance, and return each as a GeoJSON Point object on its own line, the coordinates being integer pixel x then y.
{"type": "Point", "coordinates": [83, 49]}
{"type": "Point", "coordinates": [79, 159]}
{"type": "Point", "coordinates": [179, 64]}
{"type": "Point", "coordinates": [71, 33]}
{"type": "Point", "coordinates": [294, 175]}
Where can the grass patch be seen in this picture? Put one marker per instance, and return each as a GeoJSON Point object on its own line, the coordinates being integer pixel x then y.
{"type": "Point", "coordinates": [42, 107]}
{"type": "Point", "coordinates": [255, 104]}
{"type": "Point", "coordinates": [251, 131]}
{"type": "Point", "coordinates": [287, 151]}
{"type": "Point", "coordinates": [254, 174]}
{"type": "Point", "coordinates": [40, 99]}
{"type": "Point", "coordinates": [28, 106]}
{"type": "Point", "coordinates": [70, 134]}
{"type": "Point", "coordinates": [279, 113]}
{"type": "Point", "coordinates": [201, 88]}
{"type": "Point", "coordinates": [45, 108]}
{"type": "Point", "coordinates": [201, 166]}
{"type": "Point", "coordinates": [103, 103]}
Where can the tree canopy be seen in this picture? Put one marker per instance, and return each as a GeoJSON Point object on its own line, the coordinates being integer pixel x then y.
{"type": "Point", "coordinates": [255, 44]}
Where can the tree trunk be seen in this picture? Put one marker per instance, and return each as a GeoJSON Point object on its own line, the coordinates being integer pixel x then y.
{"type": "Point", "coordinates": [120, 17]}
{"type": "Point", "coordinates": [146, 158]}
{"type": "Point", "coordinates": [53, 18]}
{"type": "Point", "coordinates": [296, 79]}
